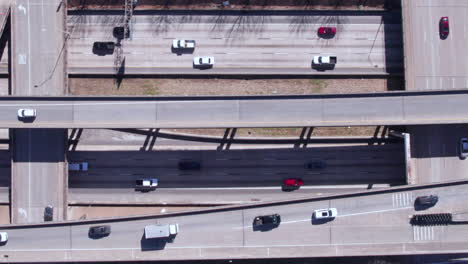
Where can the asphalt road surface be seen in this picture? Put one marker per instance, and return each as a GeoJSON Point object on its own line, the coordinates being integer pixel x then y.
{"type": "Point", "coordinates": [366, 225]}
{"type": "Point", "coordinates": [431, 62]}
{"type": "Point", "coordinates": [228, 176]}
{"type": "Point", "coordinates": [122, 112]}
{"type": "Point", "coordinates": [241, 43]}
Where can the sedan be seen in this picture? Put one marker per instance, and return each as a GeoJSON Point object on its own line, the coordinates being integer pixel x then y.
{"type": "Point", "coordinates": [463, 148]}
{"type": "Point", "coordinates": [444, 27]}
{"type": "Point", "coordinates": [99, 231]}
{"type": "Point", "coordinates": [325, 213]}
{"type": "Point", "coordinates": [203, 62]}
{"type": "Point", "coordinates": [267, 220]}
{"type": "Point", "coordinates": [426, 201]}
{"type": "Point", "coordinates": [26, 113]}
{"type": "Point", "coordinates": [293, 182]}
{"type": "Point", "coordinates": [326, 32]}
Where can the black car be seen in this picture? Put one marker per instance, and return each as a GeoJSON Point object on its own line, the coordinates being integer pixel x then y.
{"type": "Point", "coordinates": [103, 48]}
{"type": "Point", "coordinates": [99, 231]}
{"type": "Point", "coordinates": [267, 220]}
{"type": "Point", "coordinates": [318, 164]}
{"type": "Point", "coordinates": [48, 213]}
{"type": "Point", "coordinates": [189, 165]}
{"type": "Point", "coordinates": [426, 201]}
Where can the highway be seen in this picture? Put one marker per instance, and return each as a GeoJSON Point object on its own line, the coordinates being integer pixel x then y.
{"type": "Point", "coordinates": [38, 67]}
{"type": "Point", "coordinates": [397, 108]}
{"type": "Point", "coordinates": [432, 63]}
{"type": "Point", "coordinates": [254, 42]}
{"type": "Point", "coordinates": [435, 152]}
{"type": "Point", "coordinates": [231, 176]}
{"type": "Point", "coordinates": [370, 224]}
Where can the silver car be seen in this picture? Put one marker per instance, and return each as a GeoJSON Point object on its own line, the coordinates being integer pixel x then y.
{"type": "Point", "coordinates": [463, 148]}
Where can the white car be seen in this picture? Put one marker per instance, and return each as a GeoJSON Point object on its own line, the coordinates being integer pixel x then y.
{"type": "Point", "coordinates": [26, 113]}
{"type": "Point", "coordinates": [81, 166]}
{"type": "Point", "coordinates": [325, 213]}
{"type": "Point", "coordinates": [3, 237]}
{"type": "Point", "coordinates": [203, 61]}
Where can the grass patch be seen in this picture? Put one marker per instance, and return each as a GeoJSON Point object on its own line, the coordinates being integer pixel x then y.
{"type": "Point", "coordinates": [317, 85]}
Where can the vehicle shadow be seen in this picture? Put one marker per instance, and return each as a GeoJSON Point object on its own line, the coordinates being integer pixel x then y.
{"type": "Point", "coordinates": [264, 228]}
{"type": "Point", "coordinates": [180, 52]}
{"type": "Point", "coordinates": [316, 221]}
{"type": "Point", "coordinates": [322, 67]}
{"type": "Point", "coordinates": [285, 188]}
{"type": "Point", "coordinates": [153, 243]}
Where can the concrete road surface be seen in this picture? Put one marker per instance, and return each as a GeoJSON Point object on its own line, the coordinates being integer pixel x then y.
{"type": "Point", "coordinates": [366, 225]}
{"type": "Point", "coordinates": [286, 111]}
{"type": "Point", "coordinates": [435, 152]}
{"type": "Point", "coordinates": [432, 63]}
{"type": "Point", "coordinates": [38, 169]}
{"type": "Point", "coordinates": [38, 65]}
{"type": "Point", "coordinates": [241, 43]}
{"type": "Point", "coordinates": [231, 176]}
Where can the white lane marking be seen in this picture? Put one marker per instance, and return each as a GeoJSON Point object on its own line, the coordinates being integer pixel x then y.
{"type": "Point", "coordinates": [423, 233]}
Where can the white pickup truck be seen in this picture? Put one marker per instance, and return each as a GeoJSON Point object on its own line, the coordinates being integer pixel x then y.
{"type": "Point", "coordinates": [325, 60]}
{"type": "Point", "coordinates": [80, 166]}
{"type": "Point", "coordinates": [183, 44]}
{"type": "Point", "coordinates": [146, 184]}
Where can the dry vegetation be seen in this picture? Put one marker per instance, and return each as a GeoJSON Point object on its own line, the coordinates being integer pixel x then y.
{"type": "Point", "coordinates": [196, 87]}
{"type": "Point", "coordinates": [240, 4]}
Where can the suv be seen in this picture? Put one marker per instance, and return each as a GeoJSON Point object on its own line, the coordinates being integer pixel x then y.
{"type": "Point", "coordinates": [463, 148]}
{"type": "Point", "coordinates": [81, 166]}
{"type": "Point", "coordinates": [267, 220]}
{"type": "Point", "coordinates": [26, 113]}
{"type": "Point", "coordinates": [103, 48]}
{"type": "Point", "coordinates": [328, 213]}
{"type": "Point", "coordinates": [48, 213]}
{"type": "Point", "coordinates": [99, 231]}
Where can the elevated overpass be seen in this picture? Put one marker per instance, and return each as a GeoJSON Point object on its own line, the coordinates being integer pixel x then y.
{"type": "Point", "coordinates": [390, 108]}
{"type": "Point", "coordinates": [370, 223]}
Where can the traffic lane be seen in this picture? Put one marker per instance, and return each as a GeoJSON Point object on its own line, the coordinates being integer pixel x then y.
{"type": "Point", "coordinates": [206, 196]}
{"type": "Point", "coordinates": [41, 171]}
{"type": "Point", "coordinates": [21, 47]}
{"type": "Point", "coordinates": [136, 113]}
{"type": "Point", "coordinates": [235, 177]}
{"type": "Point", "coordinates": [47, 48]}
{"type": "Point", "coordinates": [330, 155]}
{"type": "Point", "coordinates": [45, 113]}
{"type": "Point", "coordinates": [44, 238]}
{"type": "Point", "coordinates": [414, 107]}
{"type": "Point", "coordinates": [439, 70]}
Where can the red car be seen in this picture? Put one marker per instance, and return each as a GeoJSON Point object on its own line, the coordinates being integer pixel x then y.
{"type": "Point", "coordinates": [444, 27]}
{"type": "Point", "coordinates": [326, 32]}
{"type": "Point", "coordinates": [293, 182]}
